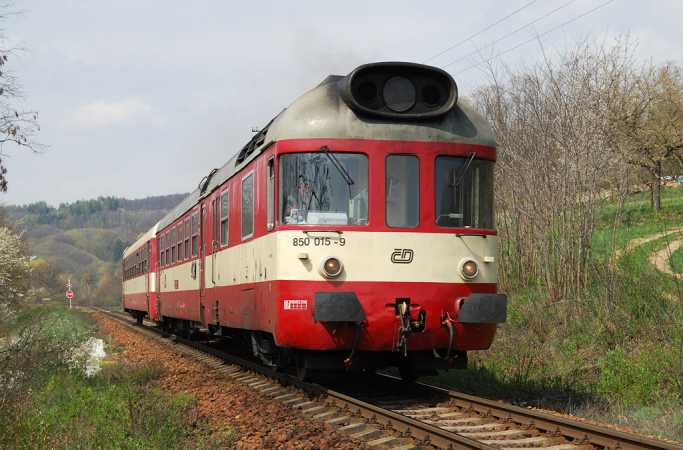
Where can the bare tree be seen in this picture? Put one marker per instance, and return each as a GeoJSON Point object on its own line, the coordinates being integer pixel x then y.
{"type": "Point", "coordinates": [556, 163]}
{"type": "Point", "coordinates": [18, 126]}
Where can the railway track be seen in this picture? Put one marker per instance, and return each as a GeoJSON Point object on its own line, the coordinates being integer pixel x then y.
{"type": "Point", "coordinates": [386, 413]}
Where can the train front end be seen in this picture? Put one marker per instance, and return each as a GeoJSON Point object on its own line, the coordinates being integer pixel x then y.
{"type": "Point", "coordinates": [386, 246]}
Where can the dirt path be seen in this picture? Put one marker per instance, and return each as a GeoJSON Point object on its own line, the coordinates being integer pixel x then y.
{"type": "Point", "coordinates": [259, 421]}
{"type": "Point", "coordinates": [634, 243]}
{"type": "Point", "coordinates": [660, 259]}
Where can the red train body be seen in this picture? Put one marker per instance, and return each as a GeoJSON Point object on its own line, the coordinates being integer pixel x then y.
{"type": "Point", "coordinates": [355, 230]}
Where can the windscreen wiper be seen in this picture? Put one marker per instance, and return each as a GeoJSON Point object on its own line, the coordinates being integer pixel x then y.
{"type": "Point", "coordinates": [335, 162]}
{"type": "Point", "coordinates": [464, 171]}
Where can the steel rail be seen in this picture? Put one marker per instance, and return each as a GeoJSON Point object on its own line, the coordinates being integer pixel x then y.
{"type": "Point", "coordinates": [579, 432]}
{"type": "Point", "coordinates": [428, 434]}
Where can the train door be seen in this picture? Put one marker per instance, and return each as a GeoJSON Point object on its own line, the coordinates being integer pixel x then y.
{"type": "Point", "coordinates": [202, 255]}
{"type": "Point", "coordinates": [157, 278]}
{"type": "Point", "coordinates": [145, 272]}
{"type": "Point", "coordinates": [210, 243]}
{"type": "Point", "coordinates": [151, 282]}
{"type": "Point", "coordinates": [214, 239]}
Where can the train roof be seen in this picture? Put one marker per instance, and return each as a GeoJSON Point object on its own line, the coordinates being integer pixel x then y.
{"type": "Point", "coordinates": [139, 242]}
{"type": "Point", "coordinates": [326, 112]}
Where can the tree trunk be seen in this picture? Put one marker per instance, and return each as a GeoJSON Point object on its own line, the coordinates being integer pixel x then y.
{"type": "Point", "coordinates": [657, 192]}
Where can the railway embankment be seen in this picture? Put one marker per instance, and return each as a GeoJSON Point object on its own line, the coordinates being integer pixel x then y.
{"type": "Point", "coordinates": [223, 407]}
{"type": "Point", "coordinates": [612, 353]}
{"type": "Point", "coordinates": [385, 412]}
{"type": "Point", "coordinates": [61, 388]}
{"type": "Point", "coordinates": [57, 391]}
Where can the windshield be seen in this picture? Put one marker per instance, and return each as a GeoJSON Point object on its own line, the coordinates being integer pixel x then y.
{"type": "Point", "coordinates": [324, 188]}
{"type": "Point", "coordinates": [464, 192]}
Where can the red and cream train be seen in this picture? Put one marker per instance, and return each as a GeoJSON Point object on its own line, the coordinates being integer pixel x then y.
{"type": "Point", "coordinates": [355, 230]}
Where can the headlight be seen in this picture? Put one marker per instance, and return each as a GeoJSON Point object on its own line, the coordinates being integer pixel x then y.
{"type": "Point", "coordinates": [331, 267]}
{"type": "Point", "coordinates": [469, 269]}
{"type": "Point", "coordinates": [399, 94]}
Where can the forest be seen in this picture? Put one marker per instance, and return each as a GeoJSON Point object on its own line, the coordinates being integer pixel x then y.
{"type": "Point", "coordinates": [83, 242]}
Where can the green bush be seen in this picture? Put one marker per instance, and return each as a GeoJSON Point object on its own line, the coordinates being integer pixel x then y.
{"type": "Point", "coordinates": [38, 341]}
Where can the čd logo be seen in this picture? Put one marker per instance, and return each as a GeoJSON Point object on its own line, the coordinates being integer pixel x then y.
{"type": "Point", "coordinates": [402, 256]}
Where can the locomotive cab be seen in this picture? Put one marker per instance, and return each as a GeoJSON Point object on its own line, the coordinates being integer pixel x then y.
{"type": "Point", "coordinates": [391, 256]}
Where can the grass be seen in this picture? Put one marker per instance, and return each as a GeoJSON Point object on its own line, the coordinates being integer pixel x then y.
{"type": "Point", "coordinates": [613, 353]}
{"type": "Point", "coordinates": [114, 409]}
{"type": "Point", "coordinates": [118, 408]}
{"type": "Point", "coordinates": [676, 260]}
{"type": "Point", "coordinates": [62, 322]}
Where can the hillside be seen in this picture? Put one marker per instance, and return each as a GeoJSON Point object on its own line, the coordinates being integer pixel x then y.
{"type": "Point", "coordinates": [611, 353]}
{"type": "Point", "coordinates": [83, 241]}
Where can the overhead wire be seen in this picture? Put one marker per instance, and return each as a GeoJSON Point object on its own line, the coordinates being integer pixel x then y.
{"type": "Point", "coordinates": [491, 44]}
{"type": "Point", "coordinates": [459, 43]}
{"type": "Point", "coordinates": [574, 19]}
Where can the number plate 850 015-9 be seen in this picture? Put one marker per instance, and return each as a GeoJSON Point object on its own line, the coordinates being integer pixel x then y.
{"type": "Point", "coordinates": [319, 241]}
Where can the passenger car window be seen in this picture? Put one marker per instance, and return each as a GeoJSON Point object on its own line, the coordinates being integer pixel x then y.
{"type": "Point", "coordinates": [179, 240]}
{"type": "Point", "coordinates": [248, 206]}
{"type": "Point", "coordinates": [195, 234]}
{"type": "Point", "coordinates": [187, 238]}
{"type": "Point", "coordinates": [224, 218]}
{"type": "Point", "coordinates": [270, 194]}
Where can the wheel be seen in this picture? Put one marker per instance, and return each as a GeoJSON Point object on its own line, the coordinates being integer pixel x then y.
{"type": "Point", "coordinates": [139, 318]}
{"type": "Point", "coordinates": [303, 372]}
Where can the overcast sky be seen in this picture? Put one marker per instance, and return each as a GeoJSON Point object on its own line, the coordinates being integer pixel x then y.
{"type": "Point", "coordinates": [144, 97]}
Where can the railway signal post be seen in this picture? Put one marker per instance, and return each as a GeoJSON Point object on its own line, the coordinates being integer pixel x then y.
{"type": "Point", "coordinates": [69, 292]}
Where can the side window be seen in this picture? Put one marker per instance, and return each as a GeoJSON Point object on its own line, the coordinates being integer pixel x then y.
{"type": "Point", "coordinates": [168, 250]}
{"type": "Point", "coordinates": [187, 238]}
{"type": "Point", "coordinates": [179, 240]}
{"type": "Point", "coordinates": [270, 194]}
{"type": "Point", "coordinates": [214, 210]}
{"type": "Point", "coordinates": [162, 258]}
{"type": "Point", "coordinates": [195, 234]}
{"type": "Point", "coordinates": [172, 233]}
{"type": "Point", "coordinates": [224, 218]}
{"type": "Point", "coordinates": [248, 206]}
{"type": "Point", "coordinates": [402, 191]}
